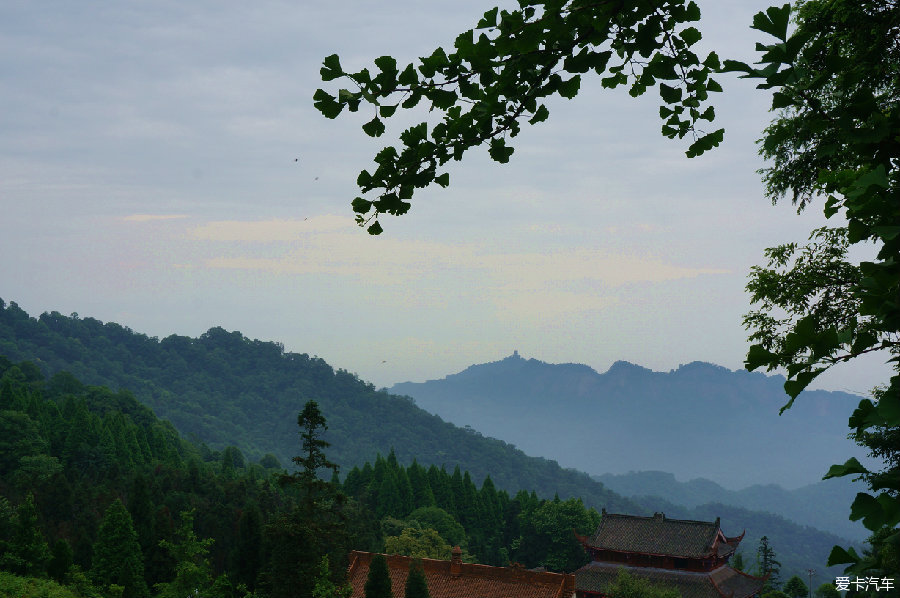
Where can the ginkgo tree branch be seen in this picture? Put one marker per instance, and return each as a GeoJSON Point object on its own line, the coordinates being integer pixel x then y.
{"type": "Point", "coordinates": [498, 73]}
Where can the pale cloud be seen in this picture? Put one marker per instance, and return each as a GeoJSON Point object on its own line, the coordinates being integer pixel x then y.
{"type": "Point", "coordinates": [532, 270]}
{"type": "Point", "coordinates": [153, 217]}
{"type": "Point", "coordinates": [547, 304]}
{"type": "Point", "coordinates": [269, 231]}
{"type": "Point", "coordinates": [413, 272]}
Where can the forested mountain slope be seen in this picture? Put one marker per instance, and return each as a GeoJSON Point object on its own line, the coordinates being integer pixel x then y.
{"type": "Point", "coordinates": [224, 389]}
{"type": "Point", "coordinates": [95, 491]}
{"type": "Point", "coordinates": [69, 452]}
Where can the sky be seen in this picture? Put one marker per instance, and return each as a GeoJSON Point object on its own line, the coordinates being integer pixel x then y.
{"type": "Point", "coordinates": [162, 166]}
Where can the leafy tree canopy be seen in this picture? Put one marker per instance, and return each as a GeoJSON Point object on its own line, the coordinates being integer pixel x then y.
{"type": "Point", "coordinates": [422, 543]}
{"type": "Point", "coordinates": [827, 590]}
{"type": "Point", "coordinates": [795, 588]}
{"type": "Point", "coordinates": [629, 586]}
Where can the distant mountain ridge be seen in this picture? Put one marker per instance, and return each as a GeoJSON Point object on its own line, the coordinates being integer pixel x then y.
{"type": "Point", "coordinates": [700, 420]}
{"type": "Point", "coordinates": [823, 505]}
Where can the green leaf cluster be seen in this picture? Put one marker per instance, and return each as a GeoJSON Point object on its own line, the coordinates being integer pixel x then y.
{"type": "Point", "coordinates": [835, 77]}
{"type": "Point", "coordinates": [498, 74]}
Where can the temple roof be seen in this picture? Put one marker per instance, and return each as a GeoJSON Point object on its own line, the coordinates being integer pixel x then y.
{"type": "Point", "coordinates": [723, 582]}
{"type": "Point", "coordinates": [660, 536]}
{"type": "Point", "coordinates": [455, 579]}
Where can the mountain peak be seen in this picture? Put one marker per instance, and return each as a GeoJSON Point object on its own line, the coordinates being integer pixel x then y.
{"type": "Point", "coordinates": [626, 367]}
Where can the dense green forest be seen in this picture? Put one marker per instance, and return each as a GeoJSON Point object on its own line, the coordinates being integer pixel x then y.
{"type": "Point", "coordinates": [101, 496]}
{"type": "Point", "coordinates": [223, 389]}
{"type": "Point", "coordinates": [362, 422]}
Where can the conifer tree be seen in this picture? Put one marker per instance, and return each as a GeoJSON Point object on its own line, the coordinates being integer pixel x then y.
{"type": "Point", "coordinates": [418, 480]}
{"type": "Point", "coordinates": [81, 446]}
{"type": "Point", "coordinates": [141, 508]}
{"type": "Point", "coordinates": [117, 554]}
{"type": "Point", "coordinates": [247, 555]}
{"type": "Point", "coordinates": [312, 426]}
{"type": "Point", "coordinates": [416, 585]}
{"type": "Point", "coordinates": [440, 487]}
{"type": "Point", "coordinates": [193, 573]}
{"type": "Point", "coordinates": [405, 493]}
{"type": "Point", "coordinates": [353, 483]}
{"type": "Point", "coordinates": [457, 490]}
{"type": "Point", "coordinates": [28, 552]}
{"type": "Point", "coordinates": [767, 564]}
{"type": "Point", "coordinates": [62, 558]}
{"type": "Point", "coordinates": [316, 526]}
{"type": "Point", "coordinates": [158, 564]}
{"type": "Point", "coordinates": [392, 461]}
{"type": "Point", "coordinates": [378, 583]}
{"type": "Point", "coordinates": [390, 503]}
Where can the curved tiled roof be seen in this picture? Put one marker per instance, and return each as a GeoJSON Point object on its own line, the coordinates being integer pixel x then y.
{"type": "Point", "coordinates": [660, 536]}
{"type": "Point", "coordinates": [723, 582]}
{"type": "Point", "coordinates": [466, 581]}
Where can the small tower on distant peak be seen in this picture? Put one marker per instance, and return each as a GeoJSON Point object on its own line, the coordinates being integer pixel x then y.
{"type": "Point", "coordinates": [515, 353]}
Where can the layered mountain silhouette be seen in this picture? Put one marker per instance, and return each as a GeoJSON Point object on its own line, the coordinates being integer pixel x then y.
{"type": "Point", "coordinates": [698, 421]}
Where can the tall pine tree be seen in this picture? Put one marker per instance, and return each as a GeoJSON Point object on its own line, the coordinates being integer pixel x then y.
{"type": "Point", "coordinates": [296, 540]}
{"type": "Point", "coordinates": [192, 569]}
{"type": "Point", "coordinates": [416, 585]}
{"type": "Point", "coordinates": [767, 564]}
{"type": "Point", "coordinates": [117, 554]}
{"type": "Point", "coordinates": [28, 552]}
{"type": "Point", "coordinates": [378, 583]}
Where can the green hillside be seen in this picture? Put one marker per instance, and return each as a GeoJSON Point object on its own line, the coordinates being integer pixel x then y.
{"type": "Point", "coordinates": [224, 389]}
{"type": "Point", "coordinates": [96, 492]}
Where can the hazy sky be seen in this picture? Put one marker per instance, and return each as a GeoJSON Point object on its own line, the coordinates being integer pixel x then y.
{"type": "Point", "coordinates": [148, 176]}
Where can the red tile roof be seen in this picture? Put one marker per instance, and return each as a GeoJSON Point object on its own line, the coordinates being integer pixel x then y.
{"type": "Point", "coordinates": [455, 579]}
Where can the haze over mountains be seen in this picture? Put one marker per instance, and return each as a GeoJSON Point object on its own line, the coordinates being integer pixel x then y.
{"type": "Point", "coordinates": [224, 389]}
{"type": "Point", "coordinates": [823, 505]}
{"type": "Point", "coordinates": [700, 420]}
